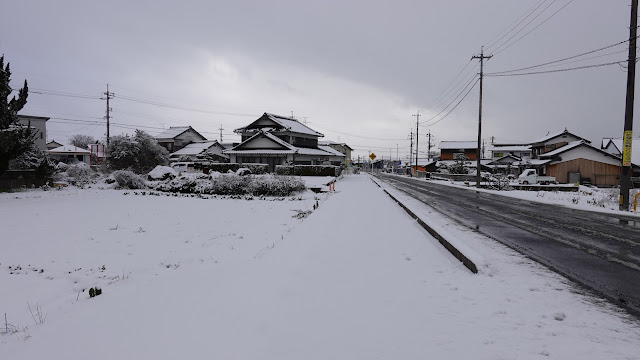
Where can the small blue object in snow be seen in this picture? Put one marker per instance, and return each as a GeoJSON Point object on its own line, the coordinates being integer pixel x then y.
{"type": "Point", "coordinates": [399, 162]}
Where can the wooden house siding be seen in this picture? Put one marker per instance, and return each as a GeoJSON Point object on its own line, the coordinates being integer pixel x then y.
{"type": "Point", "coordinates": [447, 154]}
{"type": "Point", "coordinates": [599, 173]}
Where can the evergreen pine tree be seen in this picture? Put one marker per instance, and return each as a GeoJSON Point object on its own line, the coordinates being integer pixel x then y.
{"type": "Point", "coordinates": [15, 138]}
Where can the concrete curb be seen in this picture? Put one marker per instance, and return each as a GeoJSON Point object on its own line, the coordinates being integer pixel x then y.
{"type": "Point", "coordinates": [447, 245]}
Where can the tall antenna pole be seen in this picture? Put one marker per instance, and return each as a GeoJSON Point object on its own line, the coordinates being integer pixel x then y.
{"type": "Point", "coordinates": [108, 95]}
{"type": "Point", "coordinates": [625, 176]}
{"type": "Point", "coordinates": [417, 115]}
{"type": "Point", "coordinates": [478, 154]}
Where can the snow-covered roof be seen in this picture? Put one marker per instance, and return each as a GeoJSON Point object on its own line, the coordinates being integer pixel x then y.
{"type": "Point", "coordinates": [195, 148]}
{"type": "Point", "coordinates": [293, 124]}
{"type": "Point", "coordinates": [330, 142]}
{"type": "Point", "coordinates": [288, 123]}
{"type": "Point", "coordinates": [562, 149]}
{"type": "Point", "coordinates": [330, 150]}
{"type": "Point", "coordinates": [455, 145]}
{"type": "Point", "coordinates": [174, 131]}
{"type": "Point", "coordinates": [290, 149]}
{"type": "Point", "coordinates": [554, 135]}
{"type": "Point", "coordinates": [69, 149]}
{"type": "Point", "coordinates": [509, 148]}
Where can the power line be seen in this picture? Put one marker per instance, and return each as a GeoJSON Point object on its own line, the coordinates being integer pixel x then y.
{"type": "Point", "coordinates": [528, 13]}
{"type": "Point", "coordinates": [59, 93]}
{"type": "Point", "coordinates": [452, 101]}
{"type": "Point", "coordinates": [446, 89]}
{"type": "Point", "coordinates": [562, 60]}
{"type": "Point", "coordinates": [450, 111]}
{"type": "Point", "coordinates": [177, 107]}
{"type": "Point", "coordinates": [537, 26]}
{"type": "Point", "coordinates": [349, 134]}
{"type": "Point", "coordinates": [525, 26]}
{"type": "Point", "coordinates": [560, 70]}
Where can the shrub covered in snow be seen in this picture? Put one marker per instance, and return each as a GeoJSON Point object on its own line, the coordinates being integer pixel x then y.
{"type": "Point", "coordinates": [34, 158]}
{"type": "Point", "coordinates": [128, 180]}
{"type": "Point", "coordinates": [139, 153]}
{"type": "Point", "coordinates": [78, 174]}
{"type": "Point", "coordinates": [162, 173]}
{"type": "Point", "coordinates": [309, 170]}
{"type": "Point", "coordinates": [232, 184]}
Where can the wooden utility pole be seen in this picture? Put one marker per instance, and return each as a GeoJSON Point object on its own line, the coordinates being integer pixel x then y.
{"type": "Point", "coordinates": [411, 155]}
{"type": "Point", "coordinates": [481, 57]}
{"type": "Point", "coordinates": [108, 96]}
{"type": "Point", "coordinates": [429, 146]}
{"type": "Point", "coordinates": [417, 115]}
{"type": "Point", "coordinates": [221, 133]}
{"type": "Point", "coordinates": [625, 176]}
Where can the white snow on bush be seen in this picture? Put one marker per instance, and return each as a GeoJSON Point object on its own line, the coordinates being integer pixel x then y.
{"type": "Point", "coordinates": [162, 172]}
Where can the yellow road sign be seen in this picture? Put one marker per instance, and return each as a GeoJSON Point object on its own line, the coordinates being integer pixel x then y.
{"type": "Point", "coordinates": [372, 156]}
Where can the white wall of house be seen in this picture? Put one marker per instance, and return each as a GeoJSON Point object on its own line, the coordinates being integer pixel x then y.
{"type": "Point", "coordinates": [40, 126]}
{"type": "Point", "coordinates": [262, 143]}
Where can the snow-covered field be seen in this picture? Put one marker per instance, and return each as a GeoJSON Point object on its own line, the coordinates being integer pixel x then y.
{"type": "Point", "coordinates": [356, 278]}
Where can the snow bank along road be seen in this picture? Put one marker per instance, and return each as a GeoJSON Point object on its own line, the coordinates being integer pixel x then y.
{"type": "Point", "coordinates": [598, 250]}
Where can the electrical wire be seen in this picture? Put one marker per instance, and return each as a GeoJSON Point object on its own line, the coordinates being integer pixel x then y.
{"type": "Point", "coordinates": [530, 31]}
{"type": "Point", "coordinates": [177, 107]}
{"type": "Point", "coordinates": [561, 70]}
{"type": "Point", "coordinates": [59, 93]}
{"type": "Point", "coordinates": [528, 13]}
{"type": "Point", "coordinates": [450, 111]}
{"type": "Point", "coordinates": [561, 60]}
{"type": "Point", "coordinates": [452, 101]}
{"type": "Point", "coordinates": [353, 135]}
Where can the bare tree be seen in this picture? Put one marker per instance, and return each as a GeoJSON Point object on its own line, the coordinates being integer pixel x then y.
{"type": "Point", "coordinates": [81, 141]}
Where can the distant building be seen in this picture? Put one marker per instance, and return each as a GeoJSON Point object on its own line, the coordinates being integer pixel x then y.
{"type": "Point", "coordinates": [278, 140]}
{"type": "Point", "coordinates": [449, 150]}
{"type": "Point", "coordinates": [53, 144]}
{"type": "Point", "coordinates": [342, 148]}
{"type": "Point", "coordinates": [39, 125]}
{"type": "Point", "coordinates": [211, 150]}
{"type": "Point", "coordinates": [70, 154]}
{"type": "Point", "coordinates": [177, 137]}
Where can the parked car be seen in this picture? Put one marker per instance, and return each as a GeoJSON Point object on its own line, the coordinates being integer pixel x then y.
{"type": "Point", "coordinates": [530, 176]}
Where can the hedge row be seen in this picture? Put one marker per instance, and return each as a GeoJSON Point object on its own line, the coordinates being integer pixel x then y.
{"type": "Point", "coordinates": [225, 167]}
{"type": "Point", "coordinates": [308, 170]}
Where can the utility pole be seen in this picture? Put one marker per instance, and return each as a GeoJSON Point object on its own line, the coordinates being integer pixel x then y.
{"type": "Point", "coordinates": [411, 155]}
{"type": "Point", "coordinates": [625, 176]}
{"type": "Point", "coordinates": [108, 95]}
{"type": "Point", "coordinates": [429, 146]}
{"type": "Point", "coordinates": [221, 133]}
{"type": "Point", "coordinates": [481, 57]}
{"type": "Point", "coordinates": [417, 115]}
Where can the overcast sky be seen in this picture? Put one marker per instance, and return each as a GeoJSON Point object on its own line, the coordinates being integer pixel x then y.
{"type": "Point", "coordinates": [354, 70]}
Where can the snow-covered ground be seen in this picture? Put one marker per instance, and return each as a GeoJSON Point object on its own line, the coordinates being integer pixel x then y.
{"type": "Point", "coordinates": [356, 278]}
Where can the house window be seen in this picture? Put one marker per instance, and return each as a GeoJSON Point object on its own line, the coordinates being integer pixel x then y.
{"type": "Point", "coordinates": [498, 154]}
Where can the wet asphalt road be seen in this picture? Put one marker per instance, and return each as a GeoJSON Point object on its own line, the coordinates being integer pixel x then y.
{"type": "Point", "coordinates": [599, 251]}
